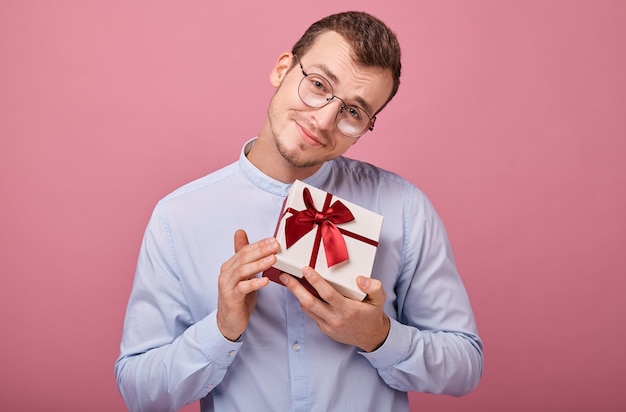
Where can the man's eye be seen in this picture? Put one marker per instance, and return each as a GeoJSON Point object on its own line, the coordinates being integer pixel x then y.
{"type": "Point", "coordinates": [318, 85]}
{"type": "Point", "coordinates": [353, 112]}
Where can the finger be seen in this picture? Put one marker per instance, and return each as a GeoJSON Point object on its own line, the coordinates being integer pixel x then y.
{"type": "Point", "coordinates": [241, 239]}
{"type": "Point", "coordinates": [315, 307]}
{"type": "Point", "coordinates": [327, 292]}
{"type": "Point", "coordinates": [373, 288]}
{"type": "Point", "coordinates": [251, 285]}
{"type": "Point", "coordinates": [249, 253]}
{"type": "Point", "coordinates": [310, 304]}
{"type": "Point", "coordinates": [306, 298]}
{"type": "Point", "coordinates": [235, 271]}
{"type": "Point", "coordinates": [251, 269]}
{"type": "Point", "coordinates": [249, 260]}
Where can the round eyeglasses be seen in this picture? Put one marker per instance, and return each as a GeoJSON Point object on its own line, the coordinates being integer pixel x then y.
{"type": "Point", "coordinates": [316, 91]}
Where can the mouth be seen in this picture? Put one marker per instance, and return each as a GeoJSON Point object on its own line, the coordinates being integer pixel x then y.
{"type": "Point", "coordinates": [309, 137]}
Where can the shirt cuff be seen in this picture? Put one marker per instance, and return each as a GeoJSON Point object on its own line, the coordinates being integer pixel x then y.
{"type": "Point", "coordinates": [394, 349]}
{"type": "Point", "coordinates": [214, 345]}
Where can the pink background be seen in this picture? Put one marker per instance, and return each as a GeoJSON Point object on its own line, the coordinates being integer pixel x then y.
{"type": "Point", "coordinates": [511, 117]}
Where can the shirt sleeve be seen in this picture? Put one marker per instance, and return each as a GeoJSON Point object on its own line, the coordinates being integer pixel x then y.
{"type": "Point", "coordinates": [433, 344]}
{"type": "Point", "coordinates": [167, 359]}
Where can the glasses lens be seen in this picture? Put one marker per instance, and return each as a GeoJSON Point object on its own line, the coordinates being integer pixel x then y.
{"type": "Point", "coordinates": [315, 91]}
{"type": "Point", "coordinates": [352, 121]}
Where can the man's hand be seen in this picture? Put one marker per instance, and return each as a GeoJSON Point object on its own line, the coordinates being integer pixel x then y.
{"type": "Point", "coordinates": [237, 284]}
{"type": "Point", "coordinates": [362, 324]}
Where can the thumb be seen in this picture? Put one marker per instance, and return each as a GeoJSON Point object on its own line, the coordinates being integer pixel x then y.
{"type": "Point", "coordinates": [241, 239]}
{"type": "Point", "coordinates": [373, 288]}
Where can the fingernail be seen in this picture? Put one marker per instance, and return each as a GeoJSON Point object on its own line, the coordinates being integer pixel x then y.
{"type": "Point", "coordinates": [284, 278]}
{"type": "Point", "coordinates": [364, 281]}
{"type": "Point", "coordinates": [307, 271]}
{"type": "Point", "coordinates": [272, 244]}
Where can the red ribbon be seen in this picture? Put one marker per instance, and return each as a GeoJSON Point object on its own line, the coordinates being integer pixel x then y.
{"type": "Point", "coordinates": [302, 222]}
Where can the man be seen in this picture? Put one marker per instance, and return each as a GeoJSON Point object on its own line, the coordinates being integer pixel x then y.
{"type": "Point", "coordinates": [202, 323]}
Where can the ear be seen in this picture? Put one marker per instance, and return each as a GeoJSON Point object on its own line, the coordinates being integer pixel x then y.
{"type": "Point", "coordinates": [280, 70]}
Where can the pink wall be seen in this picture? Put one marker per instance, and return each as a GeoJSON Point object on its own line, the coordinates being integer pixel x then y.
{"type": "Point", "coordinates": [511, 117]}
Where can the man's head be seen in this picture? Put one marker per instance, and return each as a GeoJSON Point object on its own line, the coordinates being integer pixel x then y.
{"type": "Point", "coordinates": [329, 89]}
{"type": "Point", "coordinates": [372, 43]}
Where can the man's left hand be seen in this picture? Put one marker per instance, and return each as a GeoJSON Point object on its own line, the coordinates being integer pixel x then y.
{"type": "Point", "coordinates": [362, 324]}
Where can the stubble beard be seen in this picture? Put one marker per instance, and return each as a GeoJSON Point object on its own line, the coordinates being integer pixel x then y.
{"type": "Point", "coordinates": [291, 156]}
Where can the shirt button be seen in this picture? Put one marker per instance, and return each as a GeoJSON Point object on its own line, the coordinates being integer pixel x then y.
{"type": "Point", "coordinates": [296, 347]}
{"type": "Point", "coordinates": [232, 353]}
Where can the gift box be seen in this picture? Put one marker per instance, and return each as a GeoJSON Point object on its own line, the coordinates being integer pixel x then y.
{"type": "Point", "coordinates": [335, 237]}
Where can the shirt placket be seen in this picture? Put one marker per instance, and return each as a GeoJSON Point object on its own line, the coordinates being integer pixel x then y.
{"type": "Point", "coordinates": [297, 350]}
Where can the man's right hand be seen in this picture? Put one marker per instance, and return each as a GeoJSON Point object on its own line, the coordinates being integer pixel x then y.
{"type": "Point", "coordinates": [237, 283]}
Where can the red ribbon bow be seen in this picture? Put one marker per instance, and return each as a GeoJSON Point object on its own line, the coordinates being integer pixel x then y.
{"type": "Point", "coordinates": [302, 222]}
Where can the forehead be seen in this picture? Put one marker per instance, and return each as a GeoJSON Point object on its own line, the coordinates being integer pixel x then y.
{"type": "Point", "coordinates": [331, 56]}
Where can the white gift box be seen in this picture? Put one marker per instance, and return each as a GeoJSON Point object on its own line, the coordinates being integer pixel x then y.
{"type": "Point", "coordinates": [318, 224]}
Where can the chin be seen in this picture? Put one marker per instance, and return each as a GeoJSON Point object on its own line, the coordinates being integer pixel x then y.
{"type": "Point", "coordinates": [296, 156]}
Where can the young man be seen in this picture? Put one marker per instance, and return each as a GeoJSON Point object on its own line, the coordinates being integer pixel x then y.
{"type": "Point", "coordinates": [203, 324]}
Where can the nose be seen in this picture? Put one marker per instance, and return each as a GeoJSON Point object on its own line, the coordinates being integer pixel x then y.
{"type": "Point", "coordinates": [325, 117]}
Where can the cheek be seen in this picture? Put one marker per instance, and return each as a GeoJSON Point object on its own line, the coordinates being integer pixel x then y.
{"type": "Point", "coordinates": [343, 144]}
{"type": "Point", "coordinates": [288, 93]}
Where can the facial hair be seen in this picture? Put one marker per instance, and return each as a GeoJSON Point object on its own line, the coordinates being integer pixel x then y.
{"type": "Point", "coordinates": [291, 156]}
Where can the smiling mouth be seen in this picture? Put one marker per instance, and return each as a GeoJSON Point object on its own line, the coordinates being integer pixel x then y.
{"type": "Point", "coordinates": [309, 137]}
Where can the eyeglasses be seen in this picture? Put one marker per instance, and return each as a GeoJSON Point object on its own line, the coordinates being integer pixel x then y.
{"type": "Point", "coordinates": [316, 91]}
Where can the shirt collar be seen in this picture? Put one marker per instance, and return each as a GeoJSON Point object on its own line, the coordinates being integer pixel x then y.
{"type": "Point", "coordinates": [273, 186]}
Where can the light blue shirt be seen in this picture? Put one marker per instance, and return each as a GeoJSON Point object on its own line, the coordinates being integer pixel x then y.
{"type": "Point", "coordinates": [172, 352]}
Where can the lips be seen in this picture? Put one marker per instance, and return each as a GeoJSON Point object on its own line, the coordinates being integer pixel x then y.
{"type": "Point", "coordinates": [309, 137]}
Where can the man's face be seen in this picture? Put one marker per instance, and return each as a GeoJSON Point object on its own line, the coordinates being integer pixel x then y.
{"type": "Point", "coordinates": [304, 136]}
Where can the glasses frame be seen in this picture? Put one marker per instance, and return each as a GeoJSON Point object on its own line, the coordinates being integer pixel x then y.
{"type": "Point", "coordinates": [333, 96]}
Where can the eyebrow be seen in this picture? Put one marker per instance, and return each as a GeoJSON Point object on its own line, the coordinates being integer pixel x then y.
{"type": "Point", "coordinates": [324, 70]}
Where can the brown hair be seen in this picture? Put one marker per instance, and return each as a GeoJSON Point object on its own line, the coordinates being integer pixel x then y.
{"type": "Point", "coordinates": [372, 42]}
